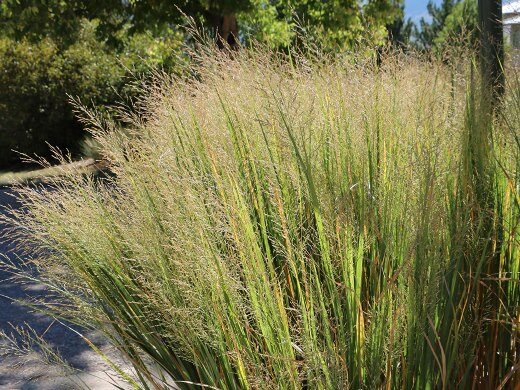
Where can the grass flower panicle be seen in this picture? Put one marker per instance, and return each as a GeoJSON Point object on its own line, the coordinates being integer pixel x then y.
{"type": "Point", "coordinates": [273, 223]}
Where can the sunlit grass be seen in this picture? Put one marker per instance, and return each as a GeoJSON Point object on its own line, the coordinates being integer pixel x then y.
{"type": "Point", "coordinates": [297, 224]}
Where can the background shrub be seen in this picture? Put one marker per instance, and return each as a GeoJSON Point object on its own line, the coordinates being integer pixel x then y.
{"type": "Point", "coordinates": [37, 80]}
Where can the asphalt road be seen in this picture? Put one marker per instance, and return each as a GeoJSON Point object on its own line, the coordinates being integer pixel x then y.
{"type": "Point", "coordinates": [28, 372]}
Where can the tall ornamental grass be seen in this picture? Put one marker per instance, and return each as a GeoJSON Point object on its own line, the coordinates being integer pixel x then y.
{"type": "Point", "coordinates": [294, 222]}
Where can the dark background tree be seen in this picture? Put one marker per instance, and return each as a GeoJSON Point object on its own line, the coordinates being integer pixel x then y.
{"type": "Point", "coordinates": [401, 29]}
{"type": "Point", "coordinates": [60, 20]}
{"type": "Point", "coordinates": [492, 47]}
{"type": "Point", "coordinates": [429, 30]}
{"type": "Point", "coordinates": [452, 23]}
{"type": "Point", "coordinates": [460, 27]}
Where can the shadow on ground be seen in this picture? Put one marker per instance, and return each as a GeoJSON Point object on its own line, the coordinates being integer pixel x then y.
{"type": "Point", "coordinates": [32, 373]}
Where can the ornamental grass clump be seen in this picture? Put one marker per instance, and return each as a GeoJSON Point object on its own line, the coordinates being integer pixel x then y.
{"type": "Point", "coordinates": [295, 222]}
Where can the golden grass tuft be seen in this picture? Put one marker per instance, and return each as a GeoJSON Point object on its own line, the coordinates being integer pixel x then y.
{"type": "Point", "coordinates": [288, 222]}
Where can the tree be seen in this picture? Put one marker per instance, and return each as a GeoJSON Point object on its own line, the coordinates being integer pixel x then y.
{"type": "Point", "coordinates": [337, 23]}
{"type": "Point", "coordinates": [452, 23]}
{"type": "Point", "coordinates": [492, 47]}
{"type": "Point", "coordinates": [428, 31]}
{"type": "Point", "coordinates": [460, 24]}
{"type": "Point", "coordinates": [34, 19]}
{"type": "Point", "coordinates": [400, 31]}
{"type": "Point", "coordinates": [332, 24]}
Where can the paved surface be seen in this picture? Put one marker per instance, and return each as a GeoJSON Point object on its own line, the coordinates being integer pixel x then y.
{"type": "Point", "coordinates": [30, 372]}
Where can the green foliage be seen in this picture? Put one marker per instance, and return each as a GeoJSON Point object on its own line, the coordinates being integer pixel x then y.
{"type": "Point", "coordinates": [460, 26]}
{"type": "Point", "coordinates": [453, 23]}
{"type": "Point", "coordinates": [60, 20]}
{"type": "Point", "coordinates": [36, 80]}
{"type": "Point", "coordinates": [296, 225]}
{"type": "Point", "coordinates": [401, 29]}
{"type": "Point", "coordinates": [429, 30]}
{"type": "Point", "coordinates": [33, 100]}
{"type": "Point", "coordinates": [333, 24]}
{"type": "Point", "coordinates": [271, 22]}
{"type": "Point", "coordinates": [337, 23]}
{"type": "Point", "coordinates": [34, 20]}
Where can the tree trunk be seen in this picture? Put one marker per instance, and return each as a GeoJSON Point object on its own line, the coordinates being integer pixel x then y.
{"type": "Point", "coordinates": [492, 48]}
{"type": "Point", "coordinates": [226, 31]}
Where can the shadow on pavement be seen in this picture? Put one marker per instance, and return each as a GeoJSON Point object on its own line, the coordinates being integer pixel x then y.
{"type": "Point", "coordinates": [28, 373]}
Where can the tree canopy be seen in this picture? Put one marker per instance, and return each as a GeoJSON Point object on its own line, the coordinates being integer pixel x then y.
{"type": "Point", "coordinates": [451, 20]}
{"type": "Point", "coordinates": [430, 27]}
{"type": "Point", "coordinates": [336, 22]}
{"type": "Point", "coordinates": [459, 24]}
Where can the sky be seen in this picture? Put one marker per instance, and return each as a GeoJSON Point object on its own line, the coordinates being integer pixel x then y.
{"type": "Point", "coordinates": [416, 9]}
